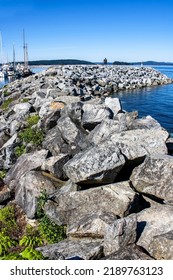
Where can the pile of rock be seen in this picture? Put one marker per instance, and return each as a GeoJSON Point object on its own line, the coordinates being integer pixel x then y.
{"type": "Point", "coordinates": [87, 80]}
{"type": "Point", "coordinates": [107, 173]}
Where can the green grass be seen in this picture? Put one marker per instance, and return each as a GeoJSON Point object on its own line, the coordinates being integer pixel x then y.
{"type": "Point", "coordinates": [6, 103]}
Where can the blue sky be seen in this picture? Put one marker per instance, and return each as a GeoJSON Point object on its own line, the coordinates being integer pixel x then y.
{"type": "Point", "coordinates": [90, 30]}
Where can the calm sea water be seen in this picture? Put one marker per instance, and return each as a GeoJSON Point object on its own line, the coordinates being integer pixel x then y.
{"type": "Point", "coordinates": [155, 101]}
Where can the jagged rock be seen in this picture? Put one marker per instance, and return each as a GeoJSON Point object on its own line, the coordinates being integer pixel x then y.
{"type": "Point", "coordinates": [144, 123]}
{"type": "Point", "coordinates": [8, 152]}
{"type": "Point", "coordinates": [99, 164]}
{"type": "Point", "coordinates": [50, 120]}
{"type": "Point", "coordinates": [130, 252]}
{"type": "Point", "coordinates": [91, 226]}
{"type": "Point", "coordinates": [3, 123]}
{"type": "Point", "coordinates": [103, 131]}
{"type": "Point", "coordinates": [119, 234]}
{"type": "Point", "coordinates": [71, 208]}
{"type": "Point", "coordinates": [113, 104]}
{"type": "Point", "coordinates": [54, 142]}
{"type": "Point", "coordinates": [29, 189]}
{"type": "Point", "coordinates": [55, 165]}
{"type": "Point", "coordinates": [151, 222]}
{"type": "Point", "coordinates": [84, 249]}
{"type": "Point", "coordinates": [161, 247]}
{"type": "Point", "coordinates": [24, 164]}
{"type": "Point", "coordinates": [3, 138]}
{"type": "Point", "coordinates": [65, 138]}
{"type": "Point", "coordinates": [94, 114]}
{"type": "Point", "coordinates": [21, 109]}
{"type": "Point", "coordinates": [14, 126]}
{"type": "Point", "coordinates": [154, 177]}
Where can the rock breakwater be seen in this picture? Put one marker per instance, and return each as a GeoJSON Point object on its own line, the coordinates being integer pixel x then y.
{"type": "Point", "coordinates": [103, 171]}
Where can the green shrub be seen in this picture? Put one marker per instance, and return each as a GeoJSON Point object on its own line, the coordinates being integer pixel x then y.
{"type": "Point", "coordinates": [7, 220]}
{"type": "Point", "coordinates": [32, 120]}
{"type": "Point", "coordinates": [34, 136]}
{"type": "Point", "coordinates": [23, 100]}
{"type": "Point", "coordinates": [6, 103]}
{"type": "Point", "coordinates": [20, 150]}
{"type": "Point", "coordinates": [5, 243]}
{"type": "Point", "coordinates": [32, 238]}
{"type": "Point", "coordinates": [6, 93]}
{"type": "Point", "coordinates": [40, 204]}
{"type": "Point", "coordinates": [32, 254]}
{"type": "Point", "coordinates": [2, 174]}
{"type": "Point", "coordinates": [12, 256]}
{"type": "Point", "coordinates": [50, 231]}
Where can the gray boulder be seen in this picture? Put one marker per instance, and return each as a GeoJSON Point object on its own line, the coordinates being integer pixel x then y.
{"type": "Point", "coordinates": [130, 252]}
{"type": "Point", "coordinates": [113, 104]}
{"type": "Point", "coordinates": [29, 188]}
{"type": "Point", "coordinates": [141, 142]}
{"type": "Point", "coordinates": [55, 165]}
{"type": "Point", "coordinates": [90, 226]}
{"type": "Point", "coordinates": [73, 249]}
{"type": "Point", "coordinates": [24, 164]}
{"type": "Point", "coordinates": [120, 234]}
{"type": "Point", "coordinates": [154, 177]}
{"type": "Point", "coordinates": [151, 222]}
{"type": "Point", "coordinates": [161, 247]}
{"type": "Point", "coordinates": [94, 114]}
{"type": "Point", "coordinates": [74, 208]}
{"type": "Point", "coordinates": [99, 164]}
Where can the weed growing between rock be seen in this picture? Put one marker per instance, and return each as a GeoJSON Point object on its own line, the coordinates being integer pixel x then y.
{"type": "Point", "coordinates": [22, 246]}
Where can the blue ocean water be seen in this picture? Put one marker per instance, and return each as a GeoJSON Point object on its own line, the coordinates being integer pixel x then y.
{"type": "Point", "coordinates": [154, 101]}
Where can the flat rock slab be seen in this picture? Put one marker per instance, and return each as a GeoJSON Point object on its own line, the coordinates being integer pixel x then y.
{"type": "Point", "coordinates": [69, 249]}
{"type": "Point", "coordinates": [99, 164]}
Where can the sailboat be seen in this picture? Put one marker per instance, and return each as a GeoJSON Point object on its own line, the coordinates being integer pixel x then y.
{"type": "Point", "coordinates": [23, 69]}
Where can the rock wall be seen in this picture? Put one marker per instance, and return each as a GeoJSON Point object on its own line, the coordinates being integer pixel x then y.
{"type": "Point", "coordinates": [107, 174]}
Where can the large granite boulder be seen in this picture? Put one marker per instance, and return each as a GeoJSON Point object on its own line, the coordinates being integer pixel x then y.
{"type": "Point", "coordinates": [73, 249]}
{"type": "Point", "coordinates": [74, 208]}
{"type": "Point", "coordinates": [151, 222]}
{"type": "Point", "coordinates": [113, 104]}
{"type": "Point", "coordinates": [141, 142]}
{"type": "Point", "coordinates": [29, 188]}
{"type": "Point", "coordinates": [55, 165]}
{"type": "Point", "coordinates": [24, 164]}
{"type": "Point", "coordinates": [98, 164]}
{"type": "Point", "coordinates": [120, 234]}
{"type": "Point", "coordinates": [161, 247]}
{"type": "Point", "coordinates": [155, 177]}
{"type": "Point", "coordinates": [94, 114]}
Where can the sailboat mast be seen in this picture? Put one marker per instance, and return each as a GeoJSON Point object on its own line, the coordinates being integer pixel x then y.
{"type": "Point", "coordinates": [25, 51]}
{"type": "Point", "coordinates": [14, 58]}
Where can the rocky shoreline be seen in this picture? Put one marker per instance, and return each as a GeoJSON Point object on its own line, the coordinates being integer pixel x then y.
{"type": "Point", "coordinates": [107, 174]}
